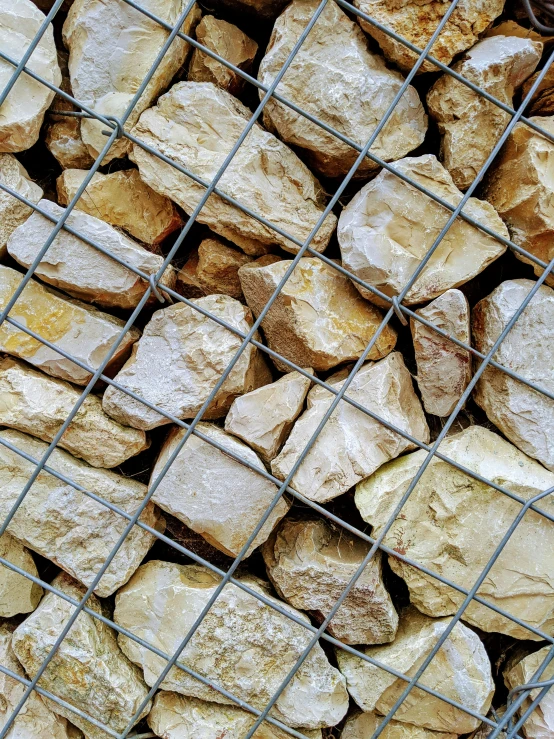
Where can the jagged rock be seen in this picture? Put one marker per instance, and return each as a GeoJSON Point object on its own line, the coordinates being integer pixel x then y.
{"type": "Point", "coordinates": [540, 724]}
{"type": "Point", "coordinates": [311, 562]}
{"type": "Point", "coordinates": [18, 594]}
{"type": "Point", "coordinates": [352, 96]}
{"type": "Point", "coordinates": [27, 102]}
{"type": "Point", "coordinates": [179, 359]}
{"type": "Point", "coordinates": [13, 212]}
{"type": "Point", "coordinates": [88, 669]}
{"type": "Point", "coordinates": [352, 445]}
{"type": "Point", "coordinates": [524, 415]}
{"type": "Point", "coordinates": [452, 524]}
{"type": "Point", "coordinates": [79, 329]}
{"type": "Point", "coordinates": [318, 319]}
{"type": "Point", "coordinates": [79, 268]}
{"type": "Point", "coordinates": [386, 230]}
{"type": "Point", "coordinates": [213, 268]}
{"type": "Point", "coordinates": [511, 28]}
{"type": "Point", "coordinates": [470, 125]}
{"type": "Point", "coordinates": [242, 644]}
{"type": "Point", "coordinates": [443, 368]}
{"type": "Point", "coordinates": [364, 725]}
{"type": "Point", "coordinates": [37, 404]}
{"type": "Point", "coordinates": [542, 101]}
{"type": "Point", "coordinates": [196, 124]}
{"type": "Point", "coordinates": [460, 670]}
{"type": "Point", "coordinates": [67, 526]}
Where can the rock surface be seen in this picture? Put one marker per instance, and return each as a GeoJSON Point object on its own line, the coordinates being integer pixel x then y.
{"type": "Point", "coordinates": [196, 124]}
{"type": "Point", "coordinates": [452, 524]}
{"type": "Point", "coordinates": [385, 246]}
{"type": "Point", "coordinates": [13, 212]}
{"type": "Point", "coordinates": [363, 726]}
{"type": "Point", "coordinates": [542, 102]}
{"type": "Point", "coordinates": [352, 445]}
{"type": "Point", "coordinates": [213, 268]}
{"type": "Point", "coordinates": [540, 724]}
{"type": "Point", "coordinates": [18, 594]}
{"type": "Point", "coordinates": [242, 644]}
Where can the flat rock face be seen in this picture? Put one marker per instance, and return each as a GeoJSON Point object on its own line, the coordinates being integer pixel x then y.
{"type": "Point", "coordinates": [460, 670]}
{"type": "Point", "coordinates": [443, 368]}
{"type": "Point", "coordinates": [12, 211]}
{"type": "Point", "coordinates": [352, 445]}
{"type": "Point", "coordinates": [79, 329]}
{"type": "Point", "coordinates": [68, 527]}
{"type": "Point", "coordinates": [242, 644]}
{"type": "Point", "coordinates": [352, 96]}
{"type": "Point", "coordinates": [213, 268]}
{"type": "Point", "coordinates": [37, 404]}
{"type": "Point", "coordinates": [179, 359]}
{"type": "Point", "coordinates": [18, 594]}
{"type": "Point", "coordinates": [311, 562]}
{"type": "Point", "coordinates": [540, 724]}
{"type": "Point", "coordinates": [196, 124]}
{"type": "Point", "coordinates": [542, 102]}
{"type": "Point", "coordinates": [524, 415]}
{"type": "Point", "coordinates": [364, 725]}
{"type": "Point", "coordinates": [385, 245]}
{"type": "Point", "coordinates": [469, 124]}
{"type": "Point", "coordinates": [453, 523]}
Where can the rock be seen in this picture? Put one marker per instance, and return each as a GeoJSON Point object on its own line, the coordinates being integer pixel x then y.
{"type": "Point", "coordinates": [88, 669]}
{"type": "Point", "coordinates": [264, 173]}
{"type": "Point", "coordinates": [460, 670]}
{"type": "Point", "coordinates": [542, 102]}
{"type": "Point", "coordinates": [37, 404]}
{"type": "Point", "coordinates": [179, 359]}
{"type": "Point", "coordinates": [230, 43]}
{"type": "Point", "coordinates": [524, 415]}
{"type": "Point", "coordinates": [485, 729]}
{"type": "Point", "coordinates": [540, 724]}
{"type": "Point", "coordinates": [511, 28]}
{"type": "Point", "coordinates": [351, 97]}
{"type": "Point", "coordinates": [79, 329]}
{"type": "Point", "coordinates": [364, 725]}
{"type": "Point", "coordinates": [18, 594]}
{"type": "Point", "coordinates": [80, 269]}
{"type": "Point", "coordinates": [242, 644]}
{"type": "Point", "coordinates": [311, 562]}
{"type": "Point", "coordinates": [443, 368]}
{"type": "Point", "coordinates": [318, 319]}
{"type": "Point", "coordinates": [13, 212]}
{"type": "Point", "coordinates": [416, 21]}
{"type": "Point", "coordinates": [352, 445]}
{"type": "Point", "coordinates": [470, 125]}
{"type": "Point", "coordinates": [384, 245]}
{"type": "Point", "coordinates": [27, 102]}
{"type": "Point", "coordinates": [212, 268]}
{"type": "Point", "coordinates": [452, 524]}
{"type": "Point", "coordinates": [67, 526]}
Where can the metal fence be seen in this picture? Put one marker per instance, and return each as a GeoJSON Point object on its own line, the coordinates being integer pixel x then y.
{"type": "Point", "coordinates": [115, 129]}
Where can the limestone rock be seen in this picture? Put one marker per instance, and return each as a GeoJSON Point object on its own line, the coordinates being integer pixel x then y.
{"type": "Point", "coordinates": [79, 268]}
{"type": "Point", "coordinates": [196, 124]}
{"type": "Point", "coordinates": [24, 108]}
{"type": "Point", "coordinates": [388, 227]}
{"type": "Point", "coordinates": [524, 415]}
{"type": "Point", "coordinates": [18, 594]}
{"type": "Point", "coordinates": [352, 445]}
{"type": "Point", "coordinates": [242, 644]}
{"type": "Point", "coordinates": [352, 96]}
{"type": "Point", "coordinates": [470, 125]}
{"type": "Point", "coordinates": [443, 368]}
{"type": "Point", "coordinates": [67, 526]}
{"type": "Point", "coordinates": [37, 404]}
{"type": "Point", "coordinates": [542, 102]}
{"type": "Point", "coordinates": [311, 562]}
{"type": "Point", "coordinates": [88, 669]}
{"type": "Point", "coordinates": [318, 320]}
{"type": "Point", "coordinates": [179, 359]}
{"type": "Point", "coordinates": [511, 28]}
{"type": "Point", "coordinates": [12, 211]}
{"type": "Point", "coordinates": [364, 725]}
{"type": "Point", "coordinates": [79, 329]}
{"type": "Point", "coordinates": [540, 724]}
{"type": "Point", "coordinates": [452, 524]}
{"type": "Point", "coordinates": [213, 268]}
{"type": "Point", "coordinates": [460, 670]}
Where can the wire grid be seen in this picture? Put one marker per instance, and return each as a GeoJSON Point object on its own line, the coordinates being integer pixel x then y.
{"type": "Point", "coordinates": [115, 129]}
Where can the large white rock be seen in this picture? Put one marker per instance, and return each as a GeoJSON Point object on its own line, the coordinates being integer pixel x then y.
{"type": "Point", "coordinates": [18, 594]}
{"type": "Point", "coordinates": [364, 725]}
{"type": "Point", "coordinates": [196, 124]}
{"type": "Point", "coordinates": [540, 724]}
{"type": "Point", "coordinates": [12, 211]}
{"type": "Point", "coordinates": [243, 645]}
{"type": "Point", "coordinates": [452, 524]}
{"type": "Point", "coordinates": [388, 227]}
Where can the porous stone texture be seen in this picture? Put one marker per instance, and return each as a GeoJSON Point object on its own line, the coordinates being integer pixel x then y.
{"type": "Point", "coordinates": [471, 125]}
{"type": "Point", "coordinates": [540, 724]}
{"type": "Point", "coordinates": [524, 415]}
{"type": "Point", "coordinates": [311, 562]}
{"type": "Point", "coordinates": [14, 212]}
{"type": "Point", "coordinates": [79, 329]}
{"type": "Point", "coordinates": [385, 246]}
{"type": "Point", "coordinates": [443, 368]}
{"type": "Point", "coordinates": [18, 594]}
{"type": "Point", "coordinates": [318, 319]}
{"type": "Point", "coordinates": [38, 405]}
{"type": "Point", "coordinates": [460, 670]}
{"type": "Point", "coordinates": [212, 268]}
{"type": "Point", "coordinates": [351, 96]}
{"type": "Point", "coordinates": [67, 526]}
{"type": "Point", "coordinates": [197, 124]}
{"type": "Point", "coordinates": [352, 445]}
{"type": "Point", "coordinates": [542, 101]}
{"type": "Point", "coordinates": [243, 645]}
{"type": "Point", "coordinates": [364, 725]}
{"type": "Point", "coordinates": [452, 524]}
